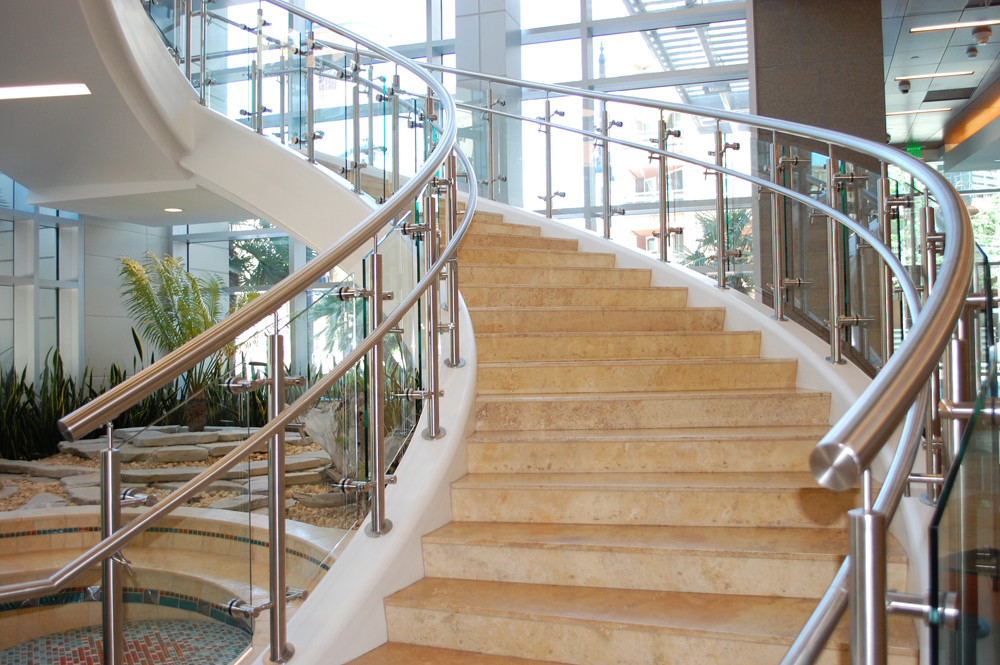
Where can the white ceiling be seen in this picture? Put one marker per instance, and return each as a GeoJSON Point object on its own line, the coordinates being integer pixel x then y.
{"type": "Point", "coordinates": [939, 51]}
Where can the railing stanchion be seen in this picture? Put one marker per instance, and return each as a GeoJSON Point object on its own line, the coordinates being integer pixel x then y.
{"type": "Point", "coordinates": [178, 11]}
{"type": "Point", "coordinates": [311, 96]}
{"type": "Point", "coordinates": [885, 290]}
{"type": "Point", "coordinates": [258, 110]}
{"type": "Point", "coordinates": [451, 174]}
{"type": "Point", "coordinates": [187, 39]}
{"type": "Point", "coordinates": [203, 92]}
{"type": "Point", "coordinates": [490, 175]}
{"type": "Point", "coordinates": [661, 143]}
{"type": "Point", "coordinates": [356, 123]}
{"type": "Point", "coordinates": [379, 525]}
{"type": "Point", "coordinates": [720, 210]}
{"type": "Point", "coordinates": [395, 133]}
{"type": "Point", "coordinates": [281, 651]}
{"type": "Point", "coordinates": [111, 573]}
{"type": "Point", "coordinates": [606, 171]}
{"type": "Point", "coordinates": [833, 250]}
{"type": "Point", "coordinates": [777, 236]}
{"type": "Point", "coordinates": [548, 158]}
{"type": "Point", "coordinates": [282, 86]}
{"type": "Point", "coordinates": [867, 587]}
{"type": "Point", "coordinates": [432, 401]}
{"type": "Point", "coordinates": [371, 118]}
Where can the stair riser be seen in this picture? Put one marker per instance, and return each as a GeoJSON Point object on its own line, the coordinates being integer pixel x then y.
{"type": "Point", "coordinates": [506, 240]}
{"type": "Point", "coordinates": [606, 320]}
{"type": "Point", "coordinates": [632, 377]}
{"type": "Point", "coordinates": [691, 572]}
{"type": "Point", "coordinates": [581, 644]}
{"type": "Point", "coordinates": [491, 275]}
{"type": "Point", "coordinates": [691, 411]}
{"type": "Point", "coordinates": [501, 296]}
{"type": "Point", "coordinates": [623, 347]}
{"type": "Point", "coordinates": [516, 257]}
{"type": "Point", "coordinates": [491, 228]}
{"type": "Point", "coordinates": [805, 508]}
{"type": "Point", "coordinates": [640, 456]}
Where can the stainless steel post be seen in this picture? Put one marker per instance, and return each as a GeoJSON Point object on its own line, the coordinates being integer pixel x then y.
{"type": "Point", "coordinates": [885, 290]}
{"type": "Point", "coordinates": [720, 210]}
{"type": "Point", "coordinates": [187, 39]}
{"type": "Point", "coordinates": [379, 525]}
{"type": "Point", "coordinates": [777, 236]}
{"type": "Point", "coordinates": [866, 587]}
{"type": "Point", "coordinates": [661, 143]}
{"type": "Point", "coordinates": [548, 158]}
{"type": "Point", "coordinates": [371, 117]}
{"type": "Point", "coordinates": [254, 102]}
{"type": "Point", "coordinates": [111, 574]}
{"type": "Point", "coordinates": [490, 176]}
{"type": "Point", "coordinates": [310, 96]}
{"type": "Point", "coordinates": [356, 122]}
{"type": "Point", "coordinates": [833, 250]}
{"type": "Point", "coordinates": [258, 110]}
{"type": "Point", "coordinates": [428, 127]}
{"type": "Point", "coordinates": [178, 11]}
{"type": "Point", "coordinates": [432, 402]}
{"type": "Point", "coordinates": [451, 173]}
{"type": "Point", "coordinates": [281, 651]}
{"type": "Point", "coordinates": [395, 133]}
{"type": "Point", "coordinates": [282, 85]}
{"type": "Point", "coordinates": [606, 170]}
{"type": "Point", "coordinates": [203, 92]}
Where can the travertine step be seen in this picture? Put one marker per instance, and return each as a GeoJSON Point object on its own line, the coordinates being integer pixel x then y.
{"type": "Point", "coordinates": [589, 626]}
{"type": "Point", "coordinates": [472, 274]}
{"type": "Point", "coordinates": [521, 295]}
{"type": "Point", "coordinates": [535, 257]}
{"type": "Point", "coordinates": [745, 408]}
{"type": "Point", "coordinates": [411, 654]}
{"type": "Point", "coordinates": [780, 499]}
{"type": "Point", "coordinates": [594, 319]}
{"type": "Point", "coordinates": [498, 240]}
{"type": "Point", "coordinates": [507, 347]}
{"type": "Point", "coordinates": [790, 563]}
{"type": "Point", "coordinates": [614, 376]}
{"type": "Point", "coordinates": [499, 228]}
{"type": "Point", "coordinates": [697, 450]}
{"type": "Point", "coordinates": [490, 218]}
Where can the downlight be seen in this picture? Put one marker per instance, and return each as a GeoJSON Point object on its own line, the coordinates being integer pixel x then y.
{"type": "Point", "coordinates": [38, 91]}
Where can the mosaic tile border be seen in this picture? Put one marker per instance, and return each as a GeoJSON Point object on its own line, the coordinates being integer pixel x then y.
{"type": "Point", "coordinates": [136, 596]}
{"type": "Point", "coordinates": [160, 529]}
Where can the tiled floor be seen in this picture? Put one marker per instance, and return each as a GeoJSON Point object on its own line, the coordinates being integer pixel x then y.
{"type": "Point", "coordinates": [146, 643]}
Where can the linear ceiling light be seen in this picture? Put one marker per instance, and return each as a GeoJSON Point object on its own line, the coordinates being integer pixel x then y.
{"type": "Point", "coordinates": [939, 75]}
{"type": "Point", "coordinates": [173, 210]}
{"type": "Point", "coordinates": [956, 26]}
{"type": "Point", "coordinates": [33, 91]}
{"type": "Point", "coordinates": [919, 111]}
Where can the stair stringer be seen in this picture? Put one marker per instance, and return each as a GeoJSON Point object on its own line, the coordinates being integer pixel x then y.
{"type": "Point", "coordinates": [845, 383]}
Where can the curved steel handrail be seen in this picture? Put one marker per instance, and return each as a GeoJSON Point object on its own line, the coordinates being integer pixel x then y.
{"type": "Point", "coordinates": [852, 443]}
{"type": "Point", "coordinates": [110, 404]}
{"type": "Point", "coordinates": [122, 537]}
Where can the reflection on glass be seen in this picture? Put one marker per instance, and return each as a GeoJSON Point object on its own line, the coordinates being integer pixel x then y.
{"type": "Point", "coordinates": [6, 327]}
{"type": "Point", "coordinates": [48, 320]}
{"type": "Point", "coordinates": [6, 248]}
{"type": "Point", "coordinates": [48, 252]}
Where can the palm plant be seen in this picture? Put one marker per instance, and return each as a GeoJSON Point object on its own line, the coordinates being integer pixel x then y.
{"type": "Point", "coordinates": [739, 237]}
{"type": "Point", "coordinates": [170, 307]}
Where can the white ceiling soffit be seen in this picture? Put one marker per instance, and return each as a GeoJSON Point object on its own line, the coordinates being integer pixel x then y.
{"type": "Point", "coordinates": [908, 53]}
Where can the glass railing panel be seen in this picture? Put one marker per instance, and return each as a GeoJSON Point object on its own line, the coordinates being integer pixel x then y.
{"type": "Point", "coordinates": [965, 542]}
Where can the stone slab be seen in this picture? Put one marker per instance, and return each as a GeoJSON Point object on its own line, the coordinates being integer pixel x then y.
{"type": "Point", "coordinates": [28, 479]}
{"type": "Point", "coordinates": [84, 496]}
{"type": "Point", "coordinates": [221, 448]}
{"type": "Point", "coordinates": [217, 486]}
{"type": "Point", "coordinates": [85, 448]}
{"type": "Point", "coordinates": [258, 484]}
{"type": "Point", "coordinates": [241, 503]}
{"type": "Point", "coordinates": [181, 454]}
{"type": "Point", "coordinates": [8, 492]}
{"type": "Point", "coordinates": [158, 476]}
{"type": "Point", "coordinates": [328, 500]}
{"type": "Point", "coordinates": [128, 432]}
{"type": "Point", "coordinates": [40, 469]}
{"type": "Point", "coordinates": [160, 440]}
{"type": "Point", "coordinates": [44, 500]}
{"type": "Point", "coordinates": [289, 503]}
{"type": "Point", "coordinates": [130, 453]}
{"type": "Point", "coordinates": [90, 480]}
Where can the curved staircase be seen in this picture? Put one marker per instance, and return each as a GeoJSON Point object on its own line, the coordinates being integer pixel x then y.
{"type": "Point", "coordinates": [638, 488]}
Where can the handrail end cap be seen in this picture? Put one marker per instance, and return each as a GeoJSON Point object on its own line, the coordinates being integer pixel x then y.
{"type": "Point", "coordinates": [835, 466]}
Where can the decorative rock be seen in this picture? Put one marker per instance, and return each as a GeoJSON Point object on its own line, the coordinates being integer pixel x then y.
{"type": "Point", "coordinates": [329, 500]}
{"type": "Point", "coordinates": [217, 486]}
{"type": "Point", "coordinates": [90, 480]}
{"type": "Point", "coordinates": [177, 474]}
{"type": "Point", "coordinates": [29, 479]}
{"type": "Point", "coordinates": [241, 503]}
{"type": "Point", "coordinates": [128, 432]}
{"type": "Point", "coordinates": [159, 440]}
{"type": "Point", "coordinates": [220, 449]}
{"type": "Point", "coordinates": [84, 496]}
{"type": "Point", "coordinates": [85, 448]}
{"type": "Point", "coordinates": [258, 484]}
{"type": "Point", "coordinates": [227, 434]}
{"type": "Point", "coordinates": [182, 454]}
{"type": "Point", "coordinates": [44, 500]}
{"type": "Point", "coordinates": [130, 453]}
{"type": "Point", "coordinates": [42, 470]}
{"type": "Point", "coordinates": [8, 492]}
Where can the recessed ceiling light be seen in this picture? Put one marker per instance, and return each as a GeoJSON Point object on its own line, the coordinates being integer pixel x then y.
{"type": "Point", "coordinates": [173, 210]}
{"type": "Point", "coordinates": [34, 91]}
{"type": "Point", "coordinates": [955, 26]}
{"type": "Point", "coordinates": [939, 75]}
{"type": "Point", "coordinates": [918, 111]}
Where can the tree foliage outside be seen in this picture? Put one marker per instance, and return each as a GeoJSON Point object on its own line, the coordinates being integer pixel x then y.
{"type": "Point", "coordinates": [740, 237]}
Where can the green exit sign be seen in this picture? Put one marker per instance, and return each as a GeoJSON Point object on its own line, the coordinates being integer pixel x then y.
{"type": "Point", "coordinates": [913, 149]}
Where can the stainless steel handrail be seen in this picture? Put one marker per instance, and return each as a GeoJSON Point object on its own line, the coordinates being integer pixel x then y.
{"type": "Point", "coordinates": [121, 538]}
{"type": "Point", "coordinates": [109, 405]}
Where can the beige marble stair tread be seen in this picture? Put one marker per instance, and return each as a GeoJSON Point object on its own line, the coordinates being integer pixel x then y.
{"type": "Point", "coordinates": [392, 653]}
{"type": "Point", "coordinates": [755, 542]}
{"type": "Point", "coordinates": [763, 619]}
{"type": "Point", "coordinates": [579, 308]}
{"type": "Point", "coordinates": [695, 434]}
{"type": "Point", "coordinates": [531, 250]}
{"type": "Point", "coordinates": [579, 287]}
{"type": "Point", "coordinates": [635, 333]}
{"type": "Point", "coordinates": [617, 397]}
{"type": "Point", "coordinates": [735, 481]}
{"type": "Point", "coordinates": [494, 266]}
{"type": "Point", "coordinates": [637, 362]}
